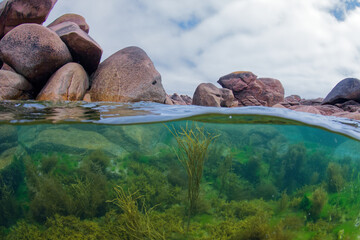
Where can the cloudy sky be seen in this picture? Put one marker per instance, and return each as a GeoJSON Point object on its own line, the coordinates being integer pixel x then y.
{"type": "Point", "coordinates": [309, 45]}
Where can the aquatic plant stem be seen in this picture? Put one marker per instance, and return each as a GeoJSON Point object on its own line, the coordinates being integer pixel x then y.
{"type": "Point", "coordinates": [193, 145]}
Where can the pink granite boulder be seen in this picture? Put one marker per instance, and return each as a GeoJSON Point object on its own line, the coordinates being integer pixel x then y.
{"type": "Point", "coordinates": [69, 83]}
{"type": "Point", "coordinates": [83, 48]}
{"type": "Point", "coordinates": [14, 86]}
{"type": "Point", "coordinates": [252, 91]}
{"type": "Point", "coordinates": [127, 76]}
{"type": "Point", "coordinates": [35, 52]}
{"type": "Point", "coordinates": [71, 17]}
{"type": "Point", "coordinates": [177, 99]}
{"type": "Point", "coordinates": [16, 12]}
{"type": "Point", "coordinates": [207, 94]}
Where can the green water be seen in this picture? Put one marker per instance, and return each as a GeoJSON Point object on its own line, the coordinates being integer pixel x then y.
{"type": "Point", "coordinates": [279, 180]}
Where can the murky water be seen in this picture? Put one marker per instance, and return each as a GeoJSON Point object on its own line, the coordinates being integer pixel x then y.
{"type": "Point", "coordinates": [148, 171]}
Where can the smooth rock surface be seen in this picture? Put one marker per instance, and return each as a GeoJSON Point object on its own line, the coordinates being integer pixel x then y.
{"type": "Point", "coordinates": [347, 89]}
{"type": "Point", "coordinates": [207, 94]}
{"type": "Point", "coordinates": [14, 86]}
{"type": "Point", "coordinates": [35, 52]}
{"type": "Point", "coordinates": [71, 17]}
{"type": "Point", "coordinates": [252, 91]}
{"type": "Point", "coordinates": [83, 48]}
{"type": "Point", "coordinates": [127, 76]}
{"type": "Point", "coordinates": [16, 12]}
{"type": "Point", "coordinates": [69, 83]}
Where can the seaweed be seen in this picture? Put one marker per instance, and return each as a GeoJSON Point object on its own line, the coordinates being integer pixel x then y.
{"type": "Point", "coordinates": [136, 225]}
{"type": "Point", "coordinates": [193, 146]}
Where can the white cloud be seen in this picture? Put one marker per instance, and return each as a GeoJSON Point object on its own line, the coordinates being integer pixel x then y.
{"type": "Point", "coordinates": [298, 42]}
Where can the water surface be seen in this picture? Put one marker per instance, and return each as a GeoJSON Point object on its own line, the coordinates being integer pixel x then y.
{"type": "Point", "coordinates": [116, 171]}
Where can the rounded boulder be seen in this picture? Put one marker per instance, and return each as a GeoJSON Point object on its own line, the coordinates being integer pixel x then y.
{"type": "Point", "coordinates": [71, 17]}
{"type": "Point", "coordinates": [207, 94]}
{"type": "Point", "coordinates": [127, 76]}
{"type": "Point", "coordinates": [14, 86]}
{"type": "Point", "coordinates": [69, 83]}
{"type": "Point", "coordinates": [16, 12]}
{"type": "Point", "coordinates": [34, 51]}
{"type": "Point", "coordinates": [83, 48]}
{"type": "Point", "coordinates": [345, 90]}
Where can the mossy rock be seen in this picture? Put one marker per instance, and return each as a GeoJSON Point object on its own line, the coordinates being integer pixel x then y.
{"type": "Point", "coordinates": [71, 141]}
{"type": "Point", "coordinates": [8, 137]}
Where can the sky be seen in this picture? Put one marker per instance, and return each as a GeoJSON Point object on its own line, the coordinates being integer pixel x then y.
{"type": "Point", "coordinates": [309, 45]}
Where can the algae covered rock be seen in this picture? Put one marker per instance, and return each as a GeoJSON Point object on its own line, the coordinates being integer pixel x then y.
{"type": "Point", "coordinates": [136, 138]}
{"type": "Point", "coordinates": [8, 137]}
{"type": "Point", "coordinates": [68, 140]}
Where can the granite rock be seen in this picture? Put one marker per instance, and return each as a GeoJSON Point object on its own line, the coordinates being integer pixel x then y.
{"type": "Point", "coordinates": [69, 83]}
{"type": "Point", "coordinates": [127, 76]}
{"type": "Point", "coordinates": [83, 48]}
{"type": "Point", "coordinates": [14, 86]}
{"type": "Point", "coordinates": [35, 52]}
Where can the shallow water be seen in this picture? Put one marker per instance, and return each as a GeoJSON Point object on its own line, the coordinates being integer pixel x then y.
{"type": "Point", "coordinates": [116, 171]}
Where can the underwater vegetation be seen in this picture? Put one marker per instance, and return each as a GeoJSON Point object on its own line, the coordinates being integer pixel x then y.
{"type": "Point", "coordinates": [193, 145]}
{"type": "Point", "coordinates": [199, 181]}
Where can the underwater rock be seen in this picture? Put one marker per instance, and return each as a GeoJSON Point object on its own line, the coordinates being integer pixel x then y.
{"type": "Point", "coordinates": [346, 89]}
{"type": "Point", "coordinates": [71, 17]}
{"type": "Point", "coordinates": [7, 157]}
{"type": "Point", "coordinates": [128, 75]}
{"type": "Point", "coordinates": [83, 48]}
{"type": "Point", "coordinates": [252, 91]}
{"type": "Point", "coordinates": [8, 137]}
{"type": "Point", "coordinates": [136, 137]}
{"type": "Point", "coordinates": [14, 86]}
{"type": "Point", "coordinates": [68, 140]}
{"type": "Point", "coordinates": [34, 51]}
{"type": "Point", "coordinates": [69, 83]}
{"type": "Point", "coordinates": [207, 94]}
{"type": "Point", "coordinates": [348, 148]}
{"type": "Point", "coordinates": [16, 12]}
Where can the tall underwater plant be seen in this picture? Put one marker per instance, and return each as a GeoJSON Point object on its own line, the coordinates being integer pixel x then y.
{"type": "Point", "coordinates": [193, 145]}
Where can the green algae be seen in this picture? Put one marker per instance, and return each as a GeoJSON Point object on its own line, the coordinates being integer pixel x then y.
{"type": "Point", "coordinates": [258, 182]}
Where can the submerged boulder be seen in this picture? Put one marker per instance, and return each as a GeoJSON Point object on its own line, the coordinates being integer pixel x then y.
{"type": "Point", "coordinates": [347, 89]}
{"type": "Point", "coordinates": [207, 94]}
{"type": "Point", "coordinates": [8, 137]}
{"type": "Point", "coordinates": [71, 17]}
{"type": "Point", "coordinates": [127, 76]}
{"type": "Point", "coordinates": [14, 86]}
{"type": "Point", "coordinates": [70, 140]}
{"type": "Point", "coordinates": [82, 47]}
{"type": "Point", "coordinates": [252, 91]}
{"type": "Point", "coordinates": [16, 12]}
{"type": "Point", "coordinates": [35, 52]}
{"type": "Point", "coordinates": [69, 83]}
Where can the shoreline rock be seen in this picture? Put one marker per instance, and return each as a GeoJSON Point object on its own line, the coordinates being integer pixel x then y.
{"type": "Point", "coordinates": [51, 61]}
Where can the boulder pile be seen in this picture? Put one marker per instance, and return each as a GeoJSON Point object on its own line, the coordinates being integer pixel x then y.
{"type": "Point", "coordinates": [62, 62]}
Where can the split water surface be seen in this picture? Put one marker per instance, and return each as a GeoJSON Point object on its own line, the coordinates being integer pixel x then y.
{"type": "Point", "coordinates": [150, 171]}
